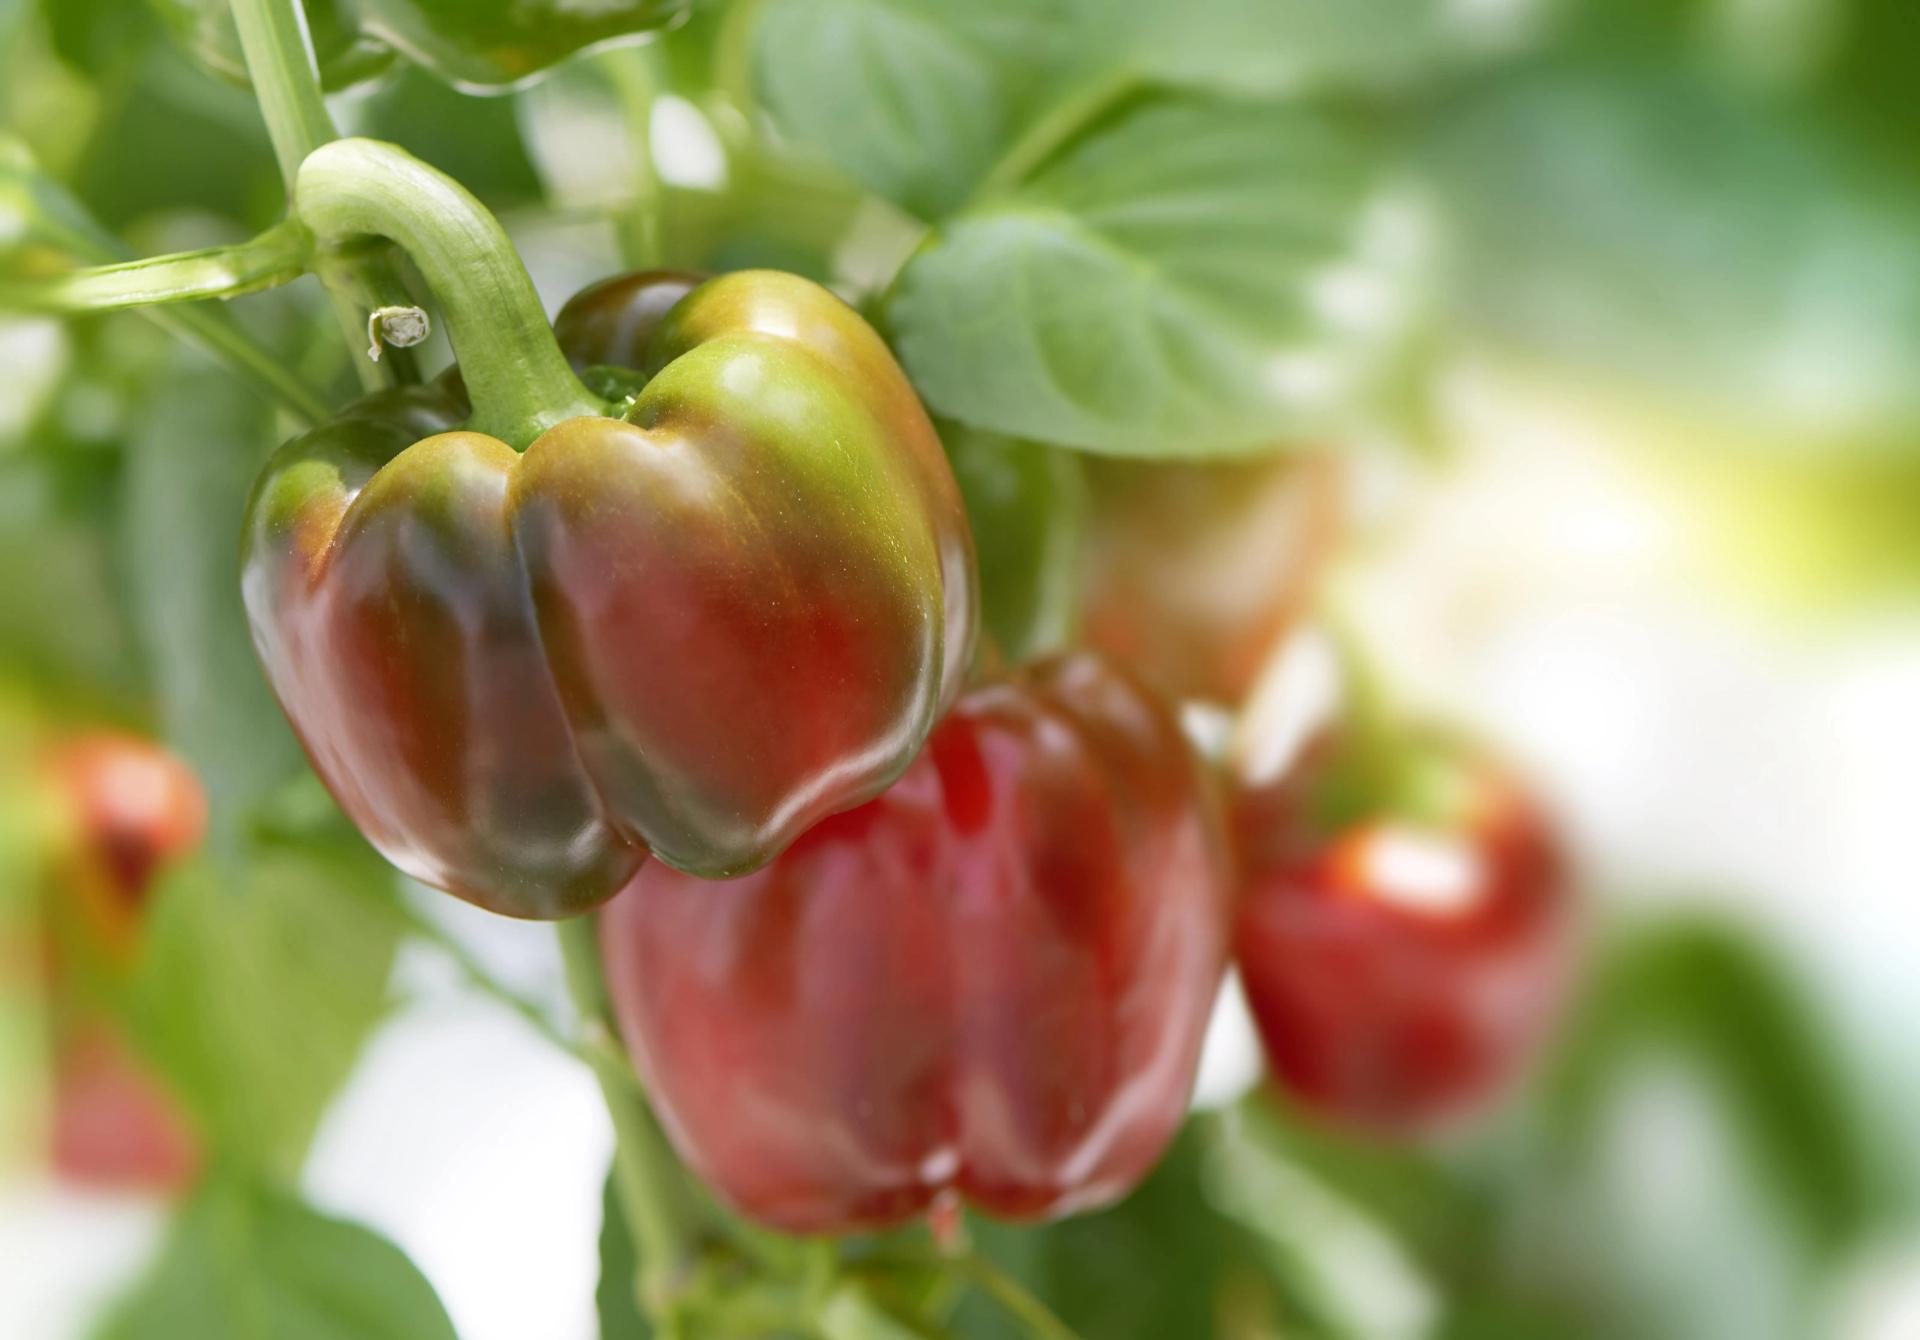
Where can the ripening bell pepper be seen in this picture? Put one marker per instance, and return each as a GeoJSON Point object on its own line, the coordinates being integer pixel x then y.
{"type": "Point", "coordinates": [696, 628]}
{"type": "Point", "coordinates": [992, 981]}
{"type": "Point", "coordinates": [479, 45]}
{"type": "Point", "coordinates": [1405, 928]}
{"type": "Point", "coordinates": [1195, 572]}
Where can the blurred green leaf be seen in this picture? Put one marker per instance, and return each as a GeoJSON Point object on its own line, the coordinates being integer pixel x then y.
{"type": "Point", "coordinates": [63, 624]}
{"type": "Point", "coordinates": [1028, 508]}
{"type": "Point", "coordinates": [1704, 993]}
{"type": "Point", "coordinates": [171, 139]}
{"type": "Point", "coordinates": [256, 990]}
{"type": "Point", "coordinates": [918, 100]}
{"type": "Point", "coordinates": [1432, 1210]}
{"type": "Point", "coordinates": [1196, 278]}
{"type": "Point", "coordinates": [476, 140]}
{"type": "Point", "coordinates": [614, 1298]}
{"type": "Point", "coordinates": [190, 465]}
{"type": "Point", "coordinates": [245, 1262]}
{"type": "Point", "coordinates": [1343, 1268]}
{"type": "Point", "coordinates": [1650, 223]}
{"type": "Point", "coordinates": [1162, 1263]}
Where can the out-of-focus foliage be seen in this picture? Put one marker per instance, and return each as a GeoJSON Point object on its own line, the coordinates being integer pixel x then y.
{"type": "Point", "coordinates": [244, 1261]}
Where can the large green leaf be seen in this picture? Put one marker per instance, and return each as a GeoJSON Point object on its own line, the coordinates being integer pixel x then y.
{"type": "Point", "coordinates": [918, 99]}
{"type": "Point", "coordinates": [244, 1262]}
{"type": "Point", "coordinates": [258, 985]}
{"type": "Point", "coordinates": [190, 465]}
{"type": "Point", "coordinates": [1198, 278]}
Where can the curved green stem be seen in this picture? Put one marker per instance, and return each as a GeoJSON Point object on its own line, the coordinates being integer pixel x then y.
{"type": "Point", "coordinates": [1014, 1298]}
{"type": "Point", "coordinates": [630, 71]}
{"type": "Point", "coordinates": [277, 256]}
{"type": "Point", "coordinates": [54, 217]}
{"type": "Point", "coordinates": [520, 382]}
{"type": "Point", "coordinates": [1034, 1316]}
{"type": "Point", "coordinates": [647, 1175]}
{"type": "Point", "coordinates": [279, 53]}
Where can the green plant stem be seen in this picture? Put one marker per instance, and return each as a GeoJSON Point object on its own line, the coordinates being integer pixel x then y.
{"type": "Point", "coordinates": [1053, 130]}
{"type": "Point", "coordinates": [630, 71]}
{"type": "Point", "coordinates": [52, 216]}
{"type": "Point", "coordinates": [1011, 1296]}
{"type": "Point", "coordinates": [476, 975]}
{"type": "Point", "coordinates": [520, 382]}
{"type": "Point", "coordinates": [273, 36]}
{"type": "Point", "coordinates": [1033, 1315]}
{"type": "Point", "coordinates": [647, 1175]}
{"type": "Point", "coordinates": [277, 256]}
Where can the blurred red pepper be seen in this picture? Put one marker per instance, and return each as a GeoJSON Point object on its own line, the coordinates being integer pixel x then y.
{"type": "Point", "coordinates": [130, 808]}
{"type": "Point", "coordinates": [1404, 944]}
{"type": "Point", "coordinates": [992, 980]}
{"type": "Point", "coordinates": [1195, 572]}
{"type": "Point", "coordinates": [114, 1126]}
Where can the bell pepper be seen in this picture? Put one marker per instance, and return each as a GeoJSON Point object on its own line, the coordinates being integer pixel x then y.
{"type": "Point", "coordinates": [523, 652]}
{"type": "Point", "coordinates": [992, 981]}
{"type": "Point", "coordinates": [479, 45]}
{"type": "Point", "coordinates": [1404, 928]}
{"type": "Point", "coordinates": [1194, 573]}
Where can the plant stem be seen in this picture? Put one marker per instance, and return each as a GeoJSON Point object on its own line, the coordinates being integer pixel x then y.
{"type": "Point", "coordinates": [1034, 1316]}
{"type": "Point", "coordinates": [477, 976]}
{"type": "Point", "coordinates": [273, 36]}
{"type": "Point", "coordinates": [519, 380]}
{"type": "Point", "coordinates": [1059, 125]}
{"type": "Point", "coordinates": [53, 216]}
{"type": "Point", "coordinates": [646, 1172]}
{"type": "Point", "coordinates": [277, 256]}
{"type": "Point", "coordinates": [631, 73]}
{"type": "Point", "coordinates": [1013, 1297]}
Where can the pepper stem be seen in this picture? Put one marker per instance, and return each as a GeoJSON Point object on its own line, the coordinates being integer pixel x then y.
{"type": "Point", "coordinates": [279, 54]}
{"type": "Point", "coordinates": [519, 382]}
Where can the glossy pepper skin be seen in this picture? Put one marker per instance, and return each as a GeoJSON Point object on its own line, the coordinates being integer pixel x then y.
{"type": "Point", "coordinates": [697, 629]}
{"type": "Point", "coordinates": [993, 980]}
{"type": "Point", "coordinates": [1401, 960]}
{"type": "Point", "coordinates": [483, 46]}
{"type": "Point", "coordinates": [1194, 573]}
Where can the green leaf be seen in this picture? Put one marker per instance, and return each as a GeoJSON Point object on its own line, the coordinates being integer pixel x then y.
{"type": "Point", "coordinates": [63, 624]}
{"type": "Point", "coordinates": [1197, 278]}
{"type": "Point", "coordinates": [244, 1262]}
{"type": "Point", "coordinates": [1162, 1263]}
{"type": "Point", "coordinates": [914, 99]}
{"type": "Point", "coordinates": [1345, 1269]}
{"type": "Point", "coordinates": [1650, 225]}
{"type": "Point", "coordinates": [917, 100]}
{"type": "Point", "coordinates": [614, 1297]}
{"type": "Point", "coordinates": [1027, 505]}
{"type": "Point", "coordinates": [257, 988]}
{"type": "Point", "coordinates": [190, 465]}
{"type": "Point", "coordinates": [1709, 999]}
